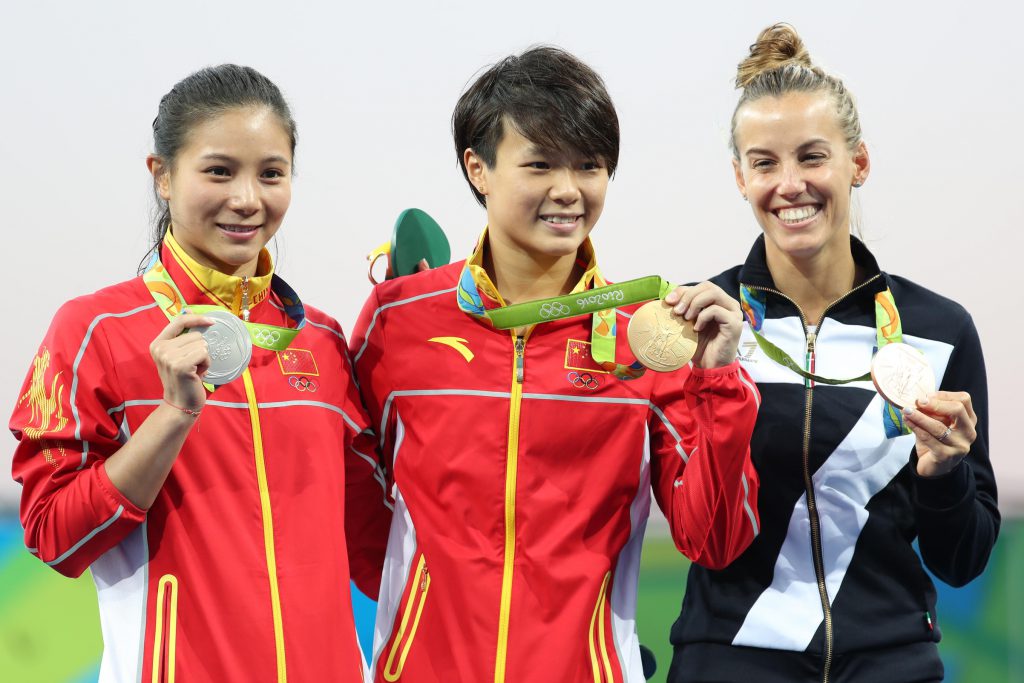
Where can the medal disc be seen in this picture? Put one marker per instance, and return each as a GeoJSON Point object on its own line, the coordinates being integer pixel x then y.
{"type": "Point", "coordinates": [230, 348]}
{"type": "Point", "coordinates": [659, 339]}
{"type": "Point", "coordinates": [902, 375]}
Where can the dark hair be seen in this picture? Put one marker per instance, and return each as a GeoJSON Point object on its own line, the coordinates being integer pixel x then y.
{"type": "Point", "coordinates": [198, 98]}
{"type": "Point", "coordinates": [551, 97]}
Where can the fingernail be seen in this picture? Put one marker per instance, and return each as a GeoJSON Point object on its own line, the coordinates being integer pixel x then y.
{"type": "Point", "coordinates": [908, 411]}
{"type": "Point", "coordinates": [922, 401]}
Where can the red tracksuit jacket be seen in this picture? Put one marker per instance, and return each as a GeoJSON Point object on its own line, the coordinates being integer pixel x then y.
{"type": "Point", "coordinates": [240, 569]}
{"type": "Point", "coordinates": [522, 482]}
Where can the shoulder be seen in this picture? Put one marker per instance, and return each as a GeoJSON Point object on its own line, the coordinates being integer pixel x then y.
{"type": "Point", "coordinates": [424, 284]}
{"type": "Point", "coordinates": [729, 280]}
{"type": "Point", "coordinates": [323, 323]}
{"type": "Point", "coordinates": [122, 300]}
{"type": "Point", "coordinates": [925, 313]}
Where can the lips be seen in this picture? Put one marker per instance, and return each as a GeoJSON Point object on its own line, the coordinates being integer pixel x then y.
{"type": "Point", "coordinates": [239, 229]}
{"type": "Point", "coordinates": [561, 219]}
{"type": "Point", "coordinates": [795, 215]}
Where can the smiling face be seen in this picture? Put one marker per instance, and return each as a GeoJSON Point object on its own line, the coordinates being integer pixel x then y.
{"type": "Point", "coordinates": [541, 203]}
{"type": "Point", "coordinates": [796, 170]}
{"type": "Point", "coordinates": [229, 187]}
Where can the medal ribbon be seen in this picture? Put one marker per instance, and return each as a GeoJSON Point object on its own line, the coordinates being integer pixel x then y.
{"type": "Point", "coordinates": [273, 337]}
{"type": "Point", "coordinates": [600, 301]}
{"type": "Point", "coordinates": [888, 330]}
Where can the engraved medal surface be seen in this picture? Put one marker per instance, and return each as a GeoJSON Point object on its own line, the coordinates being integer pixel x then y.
{"type": "Point", "coordinates": [230, 348]}
{"type": "Point", "coordinates": [659, 339]}
{"type": "Point", "coordinates": [901, 374]}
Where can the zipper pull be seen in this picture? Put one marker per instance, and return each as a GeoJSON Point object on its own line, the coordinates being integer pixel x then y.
{"type": "Point", "coordinates": [423, 580]}
{"type": "Point", "coordinates": [520, 352]}
{"type": "Point", "coordinates": [245, 298]}
{"type": "Point", "coordinates": [928, 620]}
{"type": "Point", "coordinates": [811, 336]}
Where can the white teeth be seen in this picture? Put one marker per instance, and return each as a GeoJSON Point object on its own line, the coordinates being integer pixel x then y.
{"type": "Point", "coordinates": [560, 219]}
{"type": "Point", "coordinates": [238, 228]}
{"type": "Point", "coordinates": [798, 214]}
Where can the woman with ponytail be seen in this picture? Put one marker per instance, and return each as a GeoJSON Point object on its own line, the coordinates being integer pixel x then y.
{"type": "Point", "coordinates": [832, 589]}
{"type": "Point", "coordinates": [193, 435]}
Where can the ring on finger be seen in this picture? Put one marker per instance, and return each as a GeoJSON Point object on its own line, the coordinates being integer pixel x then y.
{"type": "Point", "coordinates": [945, 435]}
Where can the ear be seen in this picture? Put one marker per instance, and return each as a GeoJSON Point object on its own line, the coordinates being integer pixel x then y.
{"type": "Point", "coordinates": [161, 176]}
{"type": "Point", "coordinates": [861, 163]}
{"type": "Point", "coordinates": [741, 183]}
{"type": "Point", "coordinates": [476, 170]}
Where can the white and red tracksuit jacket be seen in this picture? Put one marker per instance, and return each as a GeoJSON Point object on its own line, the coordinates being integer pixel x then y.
{"type": "Point", "coordinates": [240, 569]}
{"type": "Point", "coordinates": [522, 482]}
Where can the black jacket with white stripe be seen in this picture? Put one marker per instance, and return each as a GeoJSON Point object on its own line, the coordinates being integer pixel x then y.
{"type": "Point", "coordinates": [834, 590]}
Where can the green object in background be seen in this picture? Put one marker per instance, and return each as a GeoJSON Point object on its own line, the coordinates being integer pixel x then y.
{"type": "Point", "coordinates": [416, 237]}
{"type": "Point", "coordinates": [49, 625]}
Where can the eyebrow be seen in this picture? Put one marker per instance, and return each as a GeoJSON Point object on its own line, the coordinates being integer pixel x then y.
{"type": "Point", "coordinates": [805, 145]}
{"type": "Point", "coordinates": [214, 156]}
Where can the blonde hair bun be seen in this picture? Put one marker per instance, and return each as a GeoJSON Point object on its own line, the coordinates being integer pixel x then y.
{"type": "Point", "coordinates": [776, 46]}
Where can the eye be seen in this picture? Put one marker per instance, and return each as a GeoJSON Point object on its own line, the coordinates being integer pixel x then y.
{"type": "Point", "coordinates": [539, 165]}
{"type": "Point", "coordinates": [220, 171]}
{"type": "Point", "coordinates": [762, 164]}
{"type": "Point", "coordinates": [273, 174]}
{"type": "Point", "coordinates": [814, 158]}
{"type": "Point", "coordinates": [592, 165]}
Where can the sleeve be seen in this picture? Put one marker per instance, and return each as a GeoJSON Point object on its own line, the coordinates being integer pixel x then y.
{"type": "Point", "coordinates": [63, 422]}
{"type": "Point", "coordinates": [369, 506]}
{"type": "Point", "coordinates": [957, 516]}
{"type": "Point", "coordinates": [702, 474]}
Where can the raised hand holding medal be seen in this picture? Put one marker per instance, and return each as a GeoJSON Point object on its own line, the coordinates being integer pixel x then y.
{"type": "Point", "coordinates": [182, 358]}
{"type": "Point", "coordinates": [716, 319]}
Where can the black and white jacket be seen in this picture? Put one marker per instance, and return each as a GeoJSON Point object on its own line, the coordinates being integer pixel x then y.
{"type": "Point", "coordinates": [832, 588]}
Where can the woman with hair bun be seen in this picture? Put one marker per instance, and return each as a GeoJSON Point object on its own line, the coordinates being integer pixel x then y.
{"type": "Point", "coordinates": [832, 588]}
{"type": "Point", "coordinates": [221, 529]}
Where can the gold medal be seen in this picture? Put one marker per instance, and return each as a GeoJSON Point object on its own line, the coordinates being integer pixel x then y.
{"type": "Point", "coordinates": [902, 375]}
{"type": "Point", "coordinates": [659, 339]}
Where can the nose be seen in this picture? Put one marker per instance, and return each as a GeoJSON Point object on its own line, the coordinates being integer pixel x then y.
{"type": "Point", "coordinates": [565, 188]}
{"type": "Point", "coordinates": [245, 196]}
{"type": "Point", "coordinates": [791, 182]}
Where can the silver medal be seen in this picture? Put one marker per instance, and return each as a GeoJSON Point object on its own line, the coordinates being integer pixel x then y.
{"type": "Point", "coordinates": [230, 348]}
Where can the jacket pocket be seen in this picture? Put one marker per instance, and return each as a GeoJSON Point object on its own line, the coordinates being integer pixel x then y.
{"type": "Point", "coordinates": [600, 662]}
{"type": "Point", "coordinates": [401, 642]}
{"type": "Point", "coordinates": [166, 629]}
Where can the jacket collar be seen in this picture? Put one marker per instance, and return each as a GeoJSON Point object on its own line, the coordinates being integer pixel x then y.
{"type": "Point", "coordinates": [755, 273]}
{"type": "Point", "coordinates": [477, 293]}
{"type": "Point", "coordinates": [196, 280]}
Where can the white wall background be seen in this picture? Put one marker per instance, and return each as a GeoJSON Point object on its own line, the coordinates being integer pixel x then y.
{"type": "Point", "coordinates": [372, 86]}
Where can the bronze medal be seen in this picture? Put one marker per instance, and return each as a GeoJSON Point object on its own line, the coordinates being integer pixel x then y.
{"type": "Point", "coordinates": [659, 339]}
{"type": "Point", "coordinates": [902, 375]}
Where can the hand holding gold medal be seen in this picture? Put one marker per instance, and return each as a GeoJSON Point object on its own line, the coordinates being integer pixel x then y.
{"type": "Point", "coordinates": [702, 323]}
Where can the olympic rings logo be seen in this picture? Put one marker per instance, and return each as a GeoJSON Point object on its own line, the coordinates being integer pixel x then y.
{"type": "Point", "coordinates": [602, 298]}
{"type": "Point", "coordinates": [264, 335]}
{"type": "Point", "coordinates": [583, 380]}
{"type": "Point", "coordinates": [553, 309]}
{"type": "Point", "coordinates": [302, 383]}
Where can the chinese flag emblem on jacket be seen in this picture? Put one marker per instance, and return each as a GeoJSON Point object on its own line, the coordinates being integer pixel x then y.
{"type": "Point", "coordinates": [297, 362]}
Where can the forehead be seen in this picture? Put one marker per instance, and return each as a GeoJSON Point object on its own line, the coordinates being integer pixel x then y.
{"type": "Point", "coordinates": [787, 121]}
{"type": "Point", "coordinates": [245, 129]}
{"type": "Point", "coordinates": [515, 145]}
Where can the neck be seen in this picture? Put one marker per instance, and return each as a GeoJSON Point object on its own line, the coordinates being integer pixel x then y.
{"type": "Point", "coordinates": [815, 282]}
{"type": "Point", "coordinates": [522, 277]}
